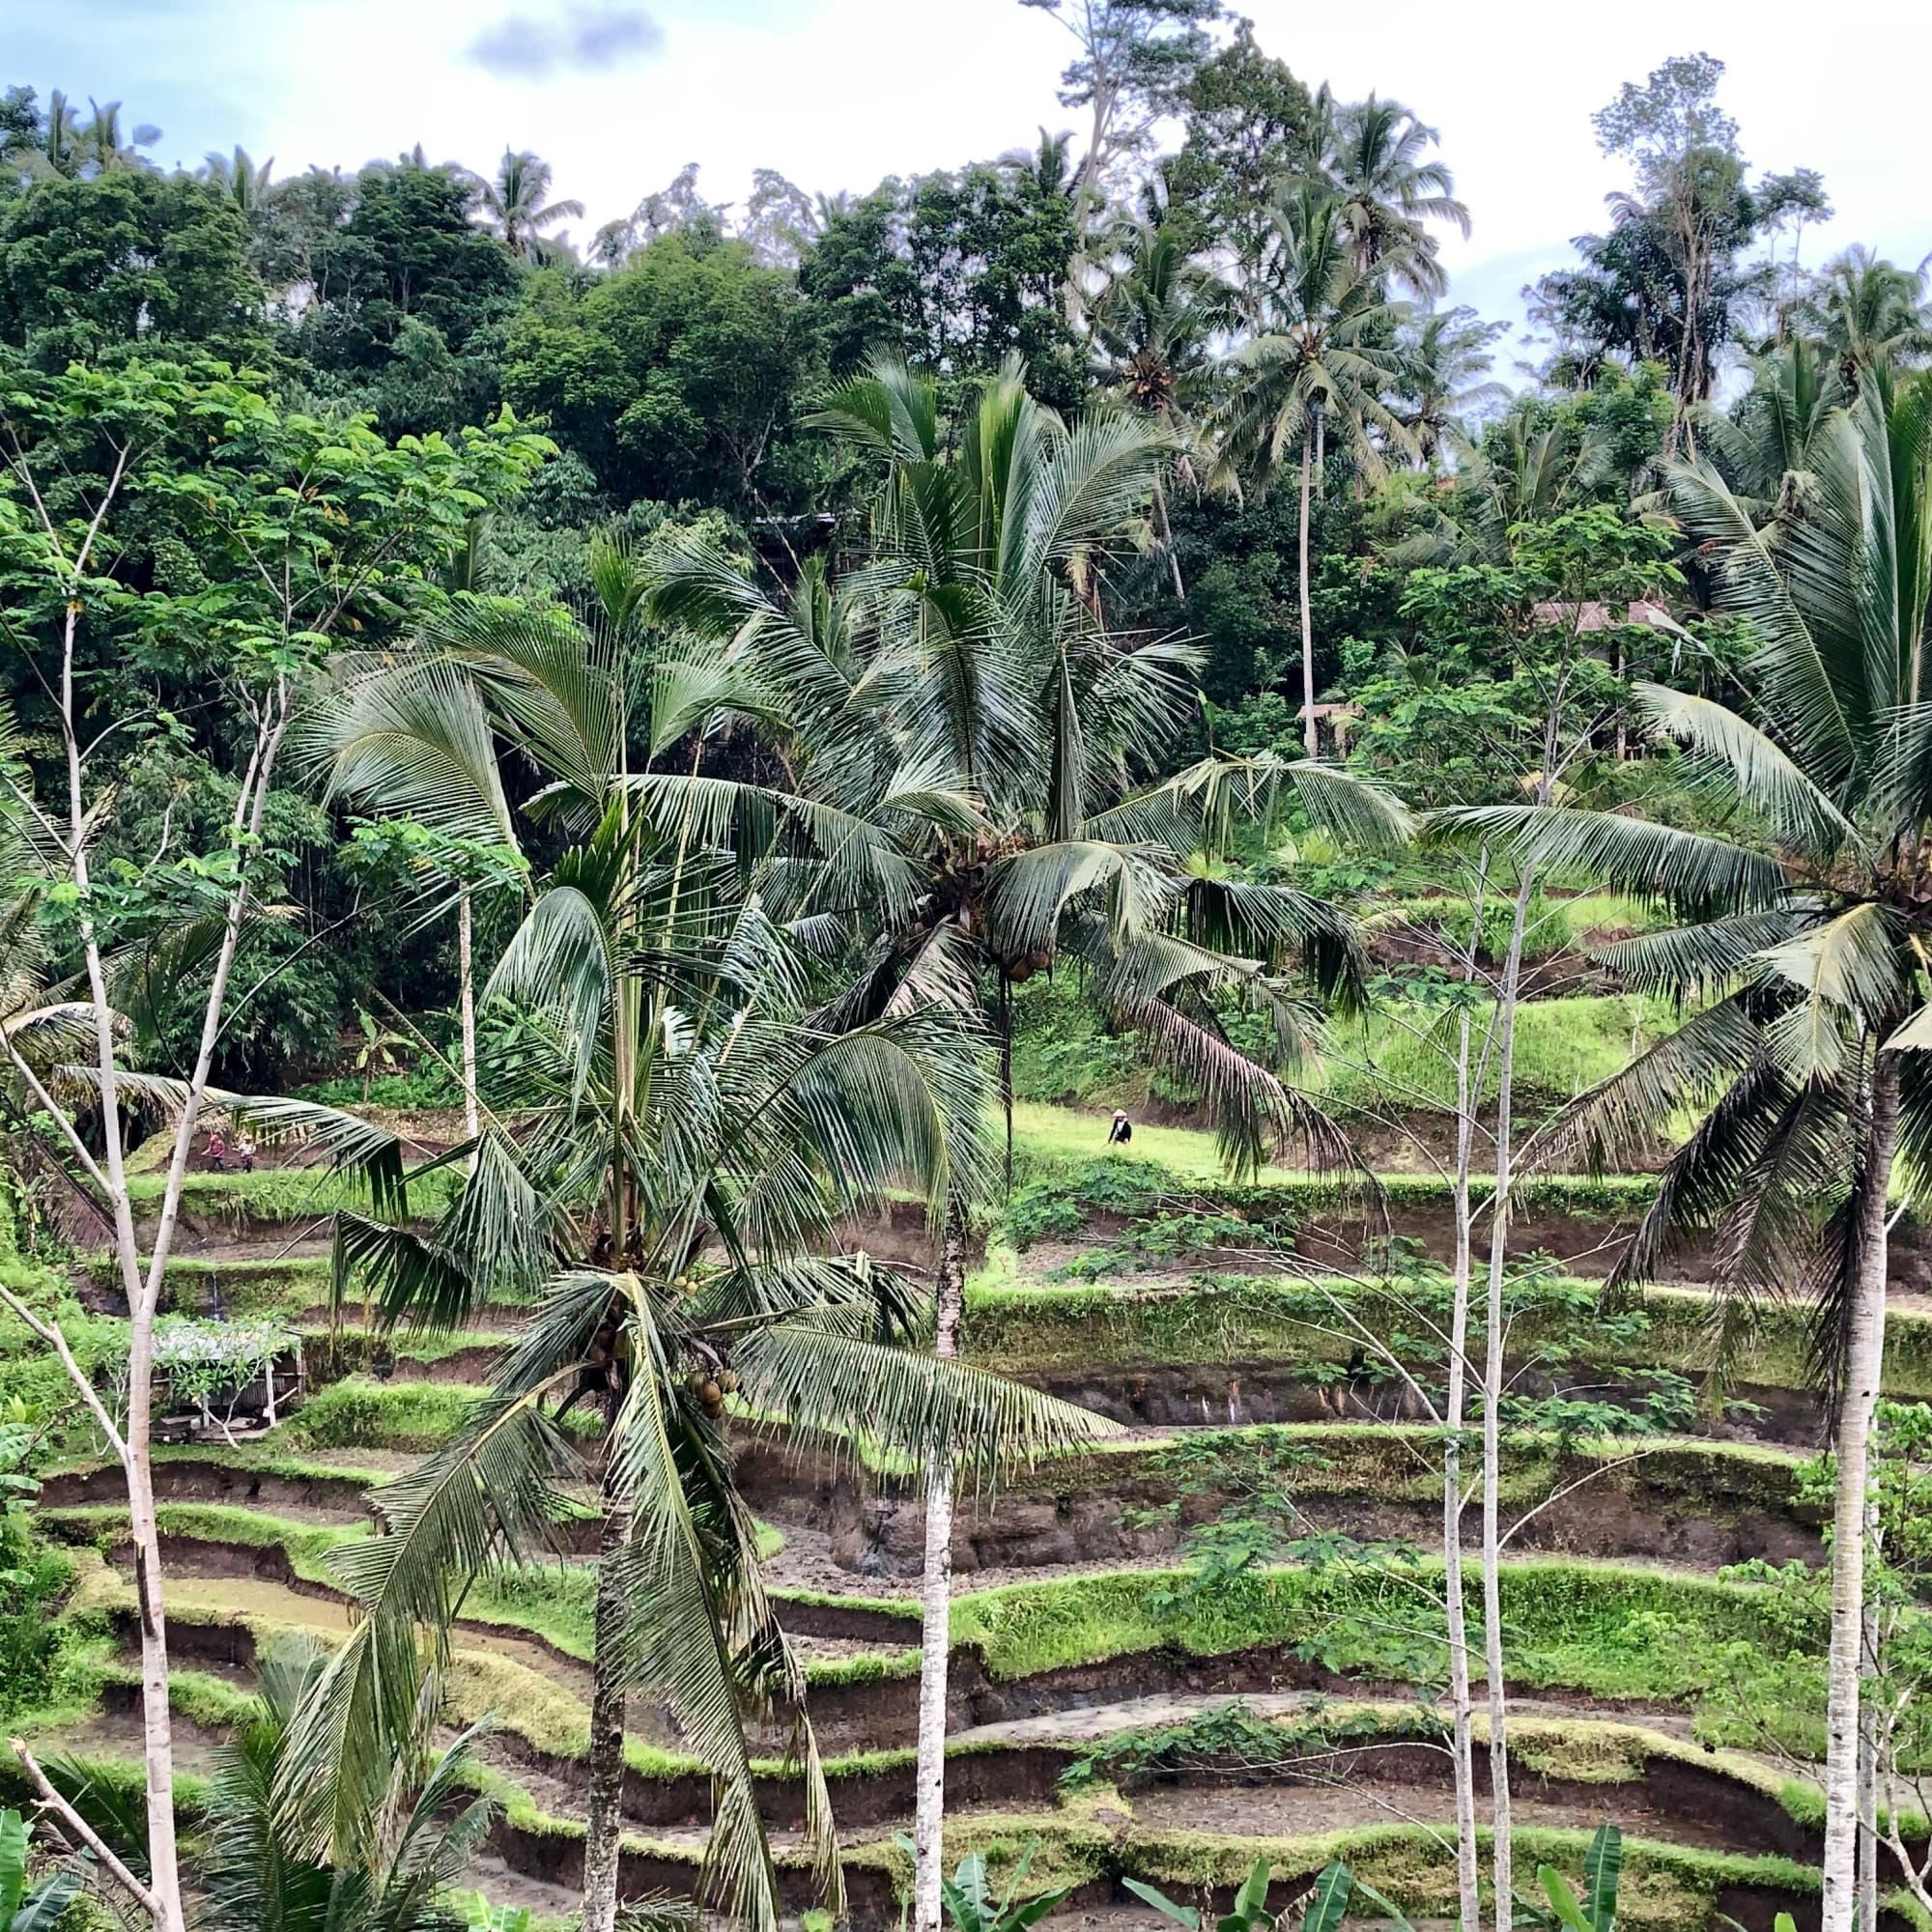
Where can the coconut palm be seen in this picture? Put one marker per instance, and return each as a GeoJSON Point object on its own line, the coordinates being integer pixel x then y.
{"type": "Point", "coordinates": [1445, 376]}
{"type": "Point", "coordinates": [515, 206]}
{"type": "Point", "coordinates": [1154, 329]}
{"type": "Point", "coordinates": [1804, 1067]}
{"type": "Point", "coordinates": [1761, 445]}
{"type": "Point", "coordinates": [1866, 310]}
{"type": "Point", "coordinates": [411, 1847]}
{"type": "Point", "coordinates": [962, 695]}
{"type": "Point", "coordinates": [959, 700]}
{"type": "Point", "coordinates": [99, 141]}
{"type": "Point", "coordinates": [1526, 468]}
{"type": "Point", "coordinates": [1326, 360]}
{"type": "Point", "coordinates": [63, 140]}
{"type": "Point", "coordinates": [236, 177]}
{"type": "Point", "coordinates": [687, 1132]}
{"type": "Point", "coordinates": [1373, 161]}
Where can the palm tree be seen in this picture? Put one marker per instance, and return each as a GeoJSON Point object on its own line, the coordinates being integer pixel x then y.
{"type": "Point", "coordinates": [687, 1132]}
{"type": "Point", "coordinates": [1445, 366]}
{"type": "Point", "coordinates": [1154, 329]}
{"type": "Point", "coordinates": [59, 141]}
{"type": "Point", "coordinates": [959, 705]}
{"type": "Point", "coordinates": [1528, 467]}
{"type": "Point", "coordinates": [962, 696]}
{"type": "Point", "coordinates": [1761, 447]}
{"type": "Point", "coordinates": [410, 1847]}
{"type": "Point", "coordinates": [1802, 1069]}
{"type": "Point", "coordinates": [1866, 311]}
{"type": "Point", "coordinates": [1388, 193]}
{"type": "Point", "coordinates": [99, 138]}
{"type": "Point", "coordinates": [1325, 357]}
{"type": "Point", "coordinates": [514, 204]}
{"type": "Point", "coordinates": [236, 177]}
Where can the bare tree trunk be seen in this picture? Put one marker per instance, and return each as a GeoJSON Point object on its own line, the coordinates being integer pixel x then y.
{"type": "Point", "coordinates": [1166, 531]}
{"type": "Point", "coordinates": [1502, 1870]}
{"type": "Point", "coordinates": [1006, 1073]}
{"type": "Point", "coordinates": [603, 1822]}
{"type": "Point", "coordinates": [1308, 734]}
{"type": "Point", "coordinates": [1864, 1353]}
{"type": "Point", "coordinates": [1086, 188]}
{"type": "Point", "coordinates": [936, 1603]}
{"type": "Point", "coordinates": [1467, 1883]}
{"type": "Point", "coordinates": [1867, 1823]}
{"type": "Point", "coordinates": [466, 974]}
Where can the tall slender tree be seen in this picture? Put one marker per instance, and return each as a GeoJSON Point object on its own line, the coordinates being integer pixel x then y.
{"type": "Point", "coordinates": [1805, 1067]}
{"type": "Point", "coordinates": [1133, 62]}
{"type": "Point", "coordinates": [1154, 329]}
{"type": "Point", "coordinates": [1324, 361]}
{"type": "Point", "coordinates": [238, 176]}
{"type": "Point", "coordinates": [1388, 193]}
{"type": "Point", "coordinates": [515, 204]}
{"type": "Point", "coordinates": [688, 1128]}
{"type": "Point", "coordinates": [960, 699]}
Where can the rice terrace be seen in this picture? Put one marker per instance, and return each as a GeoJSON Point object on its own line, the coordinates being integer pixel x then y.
{"type": "Point", "coordinates": [1048, 1046]}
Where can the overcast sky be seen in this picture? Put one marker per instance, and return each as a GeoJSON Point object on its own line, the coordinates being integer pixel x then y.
{"type": "Point", "coordinates": [837, 94]}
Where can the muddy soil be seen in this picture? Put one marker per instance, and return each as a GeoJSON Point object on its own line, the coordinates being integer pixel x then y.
{"type": "Point", "coordinates": [1588, 1245]}
{"type": "Point", "coordinates": [1232, 1394]}
{"type": "Point", "coordinates": [317, 1498]}
{"type": "Point", "coordinates": [875, 1529]}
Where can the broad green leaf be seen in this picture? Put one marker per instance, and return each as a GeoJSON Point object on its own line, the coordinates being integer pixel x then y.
{"type": "Point", "coordinates": [1328, 1902]}
{"type": "Point", "coordinates": [1562, 1900]}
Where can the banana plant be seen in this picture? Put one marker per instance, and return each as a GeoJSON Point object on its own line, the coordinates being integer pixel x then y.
{"type": "Point", "coordinates": [1597, 1910]}
{"type": "Point", "coordinates": [25, 1908]}
{"type": "Point", "coordinates": [1335, 1889]}
{"type": "Point", "coordinates": [969, 1899]}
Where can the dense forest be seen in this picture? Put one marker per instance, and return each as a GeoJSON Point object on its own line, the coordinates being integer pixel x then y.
{"type": "Point", "coordinates": [1235, 255]}
{"type": "Point", "coordinates": [592, 831]}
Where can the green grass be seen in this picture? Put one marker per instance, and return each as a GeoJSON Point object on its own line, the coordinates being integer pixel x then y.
{"type": "Point", "coordinates": [1044, 1135]}
{"type": "Point", "coordinates": [273, 1194]}
{"type": "Point", "coordinates": [1022, 1326]}
{"type": "Point", "coordinates": [1606, 1631]}
{"type": "Point", "coordinates": [1064, 1050]}
{"type": "Point", "coordinates": [1392, 1061]}
{"type": "Point", "coordinates": [414, 1418]}
{"type": "Point", "coordinates": [103, 1524]}
{"type": "Point", "coordinates": [1063, 1145]}
{"type": "Point", "coordinates": [1398, 1462]}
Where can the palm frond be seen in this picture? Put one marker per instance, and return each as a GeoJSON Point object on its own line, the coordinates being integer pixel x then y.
{"type": "Point", "coordinates": [1689, 870]}
{"type": "Point", "coordinates": [1765, 776]}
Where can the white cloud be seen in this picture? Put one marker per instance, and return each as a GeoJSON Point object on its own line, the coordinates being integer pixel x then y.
{"type": "Point", "coordinates": [838, 92]}
{"type": "Point", "coordinates": [577, 40]}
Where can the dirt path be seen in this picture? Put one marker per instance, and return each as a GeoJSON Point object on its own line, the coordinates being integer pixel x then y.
{"type": "Point", "coordinates": [1090, 1723]}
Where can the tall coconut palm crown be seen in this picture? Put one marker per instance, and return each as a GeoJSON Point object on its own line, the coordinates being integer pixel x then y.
{"type": "Point", "coordinates": [670, 1132]}
{"type": "Point", "coordinates": [959, 703]}
{"type": "Point", "coordinates": [1806, 950]}
{"type": "Point", "coordinates": [1806, 1068]}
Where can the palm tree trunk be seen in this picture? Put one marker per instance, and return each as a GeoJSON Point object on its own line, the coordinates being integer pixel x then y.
{"type": "Point", "coordinates": [466, 974]}
{"type": "Point", "coordinates": [605, 1812]}
{"type": "Point", "coordinates": [1308, 737]}
{"type": "Point", "coordinates": [1467, 1883]}
{"type": "Point", "coordinates": [936, 1605]}
{"type": "Point", "coordinates": [1868, 1739]}
{"type": "Point", "coordinates": [1503, 1870]}
{"type": "Point", "coordinates": [1865, 1354]}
